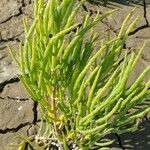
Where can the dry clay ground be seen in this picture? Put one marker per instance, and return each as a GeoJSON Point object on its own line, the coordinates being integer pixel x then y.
{"type": "Point", "coordinates": [18, 114]}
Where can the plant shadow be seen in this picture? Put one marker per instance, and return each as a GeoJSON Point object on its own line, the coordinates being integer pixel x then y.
{"type": "Point", "coordinates": [138, 140]}
{"type": "Point", "coordinates": [117, 3]}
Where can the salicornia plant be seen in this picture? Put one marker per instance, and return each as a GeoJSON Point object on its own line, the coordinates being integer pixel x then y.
{"type": "Point", "coordinates": [82, 91]}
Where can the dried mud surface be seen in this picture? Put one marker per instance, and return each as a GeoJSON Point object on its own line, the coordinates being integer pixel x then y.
{"type": "Point", "coordinates": [18, 113]}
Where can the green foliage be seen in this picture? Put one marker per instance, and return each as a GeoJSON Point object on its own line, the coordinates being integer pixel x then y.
{"type": "Point", "coordinates": [82, 91]}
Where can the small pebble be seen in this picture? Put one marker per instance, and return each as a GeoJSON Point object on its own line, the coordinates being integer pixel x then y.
{"type": "Point", "coordinates": [20, 108]}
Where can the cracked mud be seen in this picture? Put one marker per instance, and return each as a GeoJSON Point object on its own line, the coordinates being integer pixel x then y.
{"type": "Point", "coordinates": [22, 113]}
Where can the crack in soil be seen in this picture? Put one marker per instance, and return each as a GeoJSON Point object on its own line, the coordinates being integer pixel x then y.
{"type": "Point", "coordinates": [20, 12]}
{"type": "Point", "coordinates": [119, 141]}
{"type": "Point", "coordinates": [14, 98]}
{"type": "Point", "coordinates": [35, 117]}
{"type": "Point", "coordinates": [115, 31]}
{"type": "Point", "coordinates": [145, 12]}
{"type": "Point", "coordinates": [145, 17]}
{"type": "Point", "coordinates": [11, 39]}
{"type": "Point", "coordinates": [12, 130]}
{"type": "Point", "coordinates": [95, 12]}
{"type": "Point", "coordinates": [10, 81]}
{"type": "Point", "coordinates": [22, 125]}
{"type": "Point", "coordinates": [138, 29]}
{"type": "Point", "coordinates": [35, 113]}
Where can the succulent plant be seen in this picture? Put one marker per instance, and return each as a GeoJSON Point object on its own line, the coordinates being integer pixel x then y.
{"type": "Point", "coordinates": [82, 90]}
